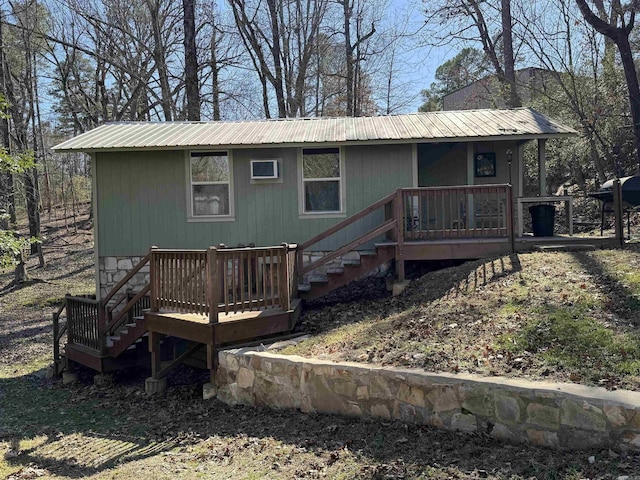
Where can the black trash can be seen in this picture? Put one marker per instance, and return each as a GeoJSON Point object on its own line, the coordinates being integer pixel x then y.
{"type": "Point", "coordinates": [542, 219]}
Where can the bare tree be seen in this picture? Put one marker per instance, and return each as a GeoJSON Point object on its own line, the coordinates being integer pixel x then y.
{"type": "Point", "coordinates": [622, 23]}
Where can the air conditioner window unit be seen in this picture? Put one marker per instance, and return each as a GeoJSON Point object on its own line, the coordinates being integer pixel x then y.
{"type": "Point", "coordinates": [264, 169]}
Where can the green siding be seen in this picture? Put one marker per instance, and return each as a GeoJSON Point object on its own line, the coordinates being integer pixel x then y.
{"type": "Point", "coordinates": [441, 164]}
{"type": "Point", "coordinates": [142, 199]}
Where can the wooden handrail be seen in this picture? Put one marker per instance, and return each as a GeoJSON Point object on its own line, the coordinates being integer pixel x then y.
{"type": "Point", "coordinates": [117, 321]}
{"type": "Point", "coordinates": [348, 221]}
{"type": "Point", "coordinates": [457, 187]}
{"type": "Point", "coordinates": [384, 228]}
{"type": "Point", "coordinates": [126, 279]}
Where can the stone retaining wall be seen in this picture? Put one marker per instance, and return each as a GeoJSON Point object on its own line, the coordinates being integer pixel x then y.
{"type": "Point", "coordinates": [564, 416]}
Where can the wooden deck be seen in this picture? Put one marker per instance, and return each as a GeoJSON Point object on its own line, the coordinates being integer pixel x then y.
{"type": "Point", "coordinates": [230, 328]}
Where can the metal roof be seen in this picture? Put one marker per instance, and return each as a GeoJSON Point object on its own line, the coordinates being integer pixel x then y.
{"type": "Point", "coordinates": [464, 125]}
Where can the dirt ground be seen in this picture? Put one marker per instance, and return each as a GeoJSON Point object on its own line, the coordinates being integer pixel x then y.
{"type": "Point", "coordinates": [50, 430]}
{"type": "Point", "coordinates": [563, 316]}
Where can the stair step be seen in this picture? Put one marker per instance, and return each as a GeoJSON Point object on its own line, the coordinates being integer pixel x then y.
{"type": "Point", "coordinates": [385, 244]}
{"type": "Point", "coordinates": [351, 263]}
{"type": "Point", "coordinates": [318, 278]}
{"type": "Point", "coordinates": [138, 318]}
{"type": "Point", "coordinates": [131, 325]}
{"type": "Point", "coordinates": [368, 253]}
{"type": "Point", "coordinates": [304, 287]}
{"type": "Point", "coordinates": [335, 271]}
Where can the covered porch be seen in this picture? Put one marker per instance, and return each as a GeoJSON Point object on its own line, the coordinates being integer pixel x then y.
{"type": "Point", "coordinates": [500, 161]}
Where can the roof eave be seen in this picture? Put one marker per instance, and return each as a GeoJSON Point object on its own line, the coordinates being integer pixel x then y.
{"type": "Point", "coordinates": [506, 137]}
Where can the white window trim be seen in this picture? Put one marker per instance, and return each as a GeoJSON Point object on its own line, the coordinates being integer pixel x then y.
{"type": "Point", "coordinates": [209, 218]}
{"type": "Point", "coordinates": [342, 213]}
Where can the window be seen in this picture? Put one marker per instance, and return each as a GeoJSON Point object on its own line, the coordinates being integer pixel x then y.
{"type": "Point", "coordinates": [321, 180]}
{"type": "Point", "coordinates": [210, 178]}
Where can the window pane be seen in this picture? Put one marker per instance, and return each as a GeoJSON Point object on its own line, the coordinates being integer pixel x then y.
{"type": "Point", "coordinates": [321, 165]}
{"type": "Point", "coordinates": [322, 196]}
{"type": "Point", "coordinates": [210, 200]}
{"type": "Point", "coordinates": [211, 168]}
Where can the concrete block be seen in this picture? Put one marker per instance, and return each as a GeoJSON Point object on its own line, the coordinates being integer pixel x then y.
{"type": "Point", "coordinates": [102, 380]}
{"type": "Point", "coordinates": [68, 377]}
{"type": "Point", "coordinates": [399, 287]}
{"type": "Point", "coordinates": [153, 386]}
{"type": "Point", "coordinates": [209, 391]}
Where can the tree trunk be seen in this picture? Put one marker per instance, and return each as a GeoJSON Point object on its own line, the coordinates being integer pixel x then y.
{"type": "Point", "coordinates": [215, 72]}
{"type": "Point", "coordinates": [509, 63]}
{"type": "Point", "coordinates": [192, 87]}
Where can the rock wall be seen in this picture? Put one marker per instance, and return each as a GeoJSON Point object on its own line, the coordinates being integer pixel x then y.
{"type": "Point", "coordinates": [564, 416]}
{"type": "Point", "coordinates": [113, 269]}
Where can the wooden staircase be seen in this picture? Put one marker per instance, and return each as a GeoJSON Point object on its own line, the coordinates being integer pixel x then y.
{"type": "Point", "coordinates": [105, 334]}
{"type": "Point", "coordinates": [350, 270]}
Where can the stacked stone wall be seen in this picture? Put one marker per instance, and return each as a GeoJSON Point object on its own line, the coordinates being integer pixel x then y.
{"type": "Point", "coordinates": [113, 269]}
{"type": "Point", "coordinates": [563, 416]}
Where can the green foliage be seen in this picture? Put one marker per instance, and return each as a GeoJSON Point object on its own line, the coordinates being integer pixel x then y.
{"type": "Point", "coordinates": [461, 70]}
{"type": "Point", "coordinates": [18, 163]}
{"type": "Point", "coordinates": [569, 338]}
{"type": "Point", "coordinates": [11, 245]}
{"type": "Point", "coordinates": [12, 248]}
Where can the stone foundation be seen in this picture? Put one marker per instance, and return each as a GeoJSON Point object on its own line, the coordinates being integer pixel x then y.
{"type": "Point", "coordinates": [113, 269]}
{"type": "Point", "coordinates": [563, 416]}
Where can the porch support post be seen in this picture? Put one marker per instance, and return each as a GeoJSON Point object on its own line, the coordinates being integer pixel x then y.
{"type": "Point", "coordinates": [471, 175]}
{"type": "Point", "coordinates": [520, 191]}
{"type": "Point", "coordinates": [400, 229]}
{"type": "Point", "coordinates": [212, 284]}
{"type": "Point", "coordinates": [154, 384]}
{"type": "Point", "coordinates": [542, 168]}
{"type": "Point", "coordinates": [154, 348]}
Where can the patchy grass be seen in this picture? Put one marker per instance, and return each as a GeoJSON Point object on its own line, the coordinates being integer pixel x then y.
{"type": "Point", "coordinates": [559, 316]}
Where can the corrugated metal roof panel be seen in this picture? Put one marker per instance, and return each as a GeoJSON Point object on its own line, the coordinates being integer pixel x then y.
{"type": "Point", "coordinates": [429, 126]}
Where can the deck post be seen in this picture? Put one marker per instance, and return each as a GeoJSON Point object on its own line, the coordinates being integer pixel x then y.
{"type": "Point", "coordinates": [285, 294]}
{"type": "Point", "coordinates": [154, 349]}
{"type": "Point", "coordinates": [399, 217]}
{"type": "Point", "coordinates": [618, 211]}
{"type": "Point", "coordinates": [153, 279]}
{"type": "Point", "coordinates": [510, 223]}
{"type": "Point", "coordinates": [212, 284]}
{"type": "Point", "coordinates": [542, 167]}
{"type": "Point", "coordinates": [154, 384]}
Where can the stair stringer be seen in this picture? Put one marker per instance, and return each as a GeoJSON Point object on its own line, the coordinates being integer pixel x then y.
{"type": "Point", "coordinates": [350, 271]}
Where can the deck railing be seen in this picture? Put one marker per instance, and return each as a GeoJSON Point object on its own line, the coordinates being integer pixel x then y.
{"type": "Point", "coordinates": [474, 211]}
{"type": "Point", "coordinates": [422, 214]}
{"type": "Point", "coordinates": [222, 280]}
{"type": "Point", "coordinates": [85, 322]}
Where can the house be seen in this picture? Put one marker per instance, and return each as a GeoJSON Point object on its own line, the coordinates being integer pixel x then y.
{"type": "Point", "coordinates": [347, 195]}
{"type": "Point", "coordinates": [487, 92]}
